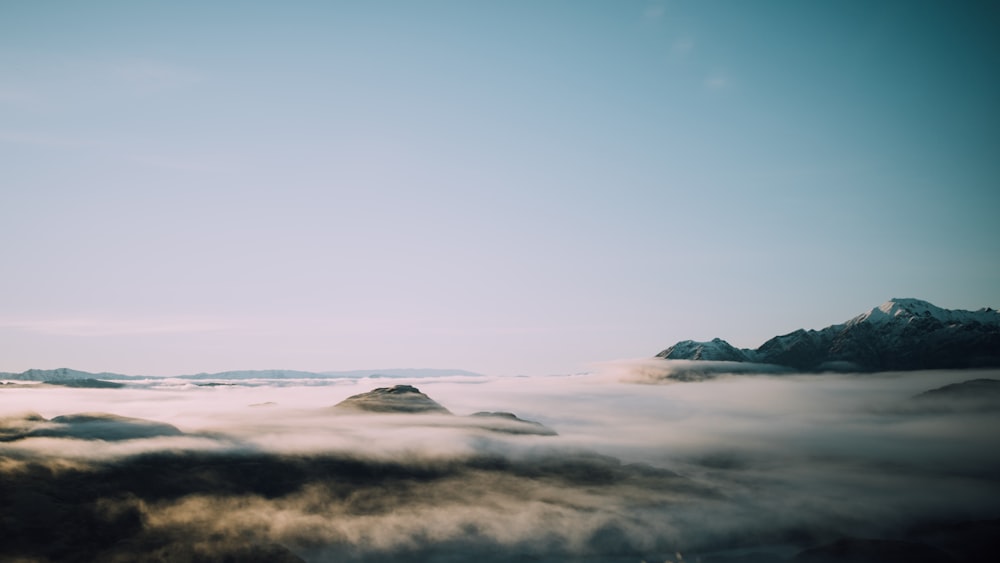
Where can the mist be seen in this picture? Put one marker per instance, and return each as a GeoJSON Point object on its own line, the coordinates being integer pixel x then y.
{"type": "Point", "coordinates": [768, 464]}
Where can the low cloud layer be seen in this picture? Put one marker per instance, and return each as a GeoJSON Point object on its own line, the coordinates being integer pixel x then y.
{"type": "Point", "coordinates": [268, 471]}
{"type": "Point", "coordinates": [657, 371]}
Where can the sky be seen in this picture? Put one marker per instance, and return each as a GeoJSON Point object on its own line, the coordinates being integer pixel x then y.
{"type": "Point", "coordinates": [505, 187]}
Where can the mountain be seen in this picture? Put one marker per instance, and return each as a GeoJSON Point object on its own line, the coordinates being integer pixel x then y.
{"type": "Point", "coordinates": [353, 374]}
{"type": "Point", "coordinates": [402, 372]}
{"type": "Point", "coordinates": [509, 423]}
{"type": "Point", "coordinates": [63, 374]}
{"type": "Point", "coordinates": [900, 334]}
{"type": "Point", "coordinates": [257, 374]}
{"type": "Point", "coordinates": [966, 390]}
{"type": "Point", "coordinates": [406, 399]}
{"type": "Point", "coordinates": [66, 374]}
{"type": "Point", "coordinates": [395, 399]}
{"type": "Point", "coordinates": [717, 350]}
{"type": "Point", "coordinates": [83, 426]}
{"type": "Point", "coordinates": [975, 395]}
{"type": "Point", "coordinates": [86, 383]}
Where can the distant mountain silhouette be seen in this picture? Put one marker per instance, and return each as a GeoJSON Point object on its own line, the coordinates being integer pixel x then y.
{"type": "Point", "coordinates": [973, 389]}
{"type": "Point", "coordinates": [975, 395]}
{"type": "Point", "coordinates": [86, 383]}
{"type": "Point", "coordinates": [67, 374]}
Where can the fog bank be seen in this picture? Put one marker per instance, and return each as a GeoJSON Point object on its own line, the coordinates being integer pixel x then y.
{"type": "Point", "coordinates": [774, 463]}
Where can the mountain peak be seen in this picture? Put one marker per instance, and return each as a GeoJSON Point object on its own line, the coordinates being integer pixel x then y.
{"type": "Point", "coordinates": [717, 349]}
{"type": "Point", "coordinates": [902, 307]}
{"type": "Point", "coordinates": [908, 303]}
{"type": "Point", "coordinates": [905, 309]}
{"type": "Point", "coordinates": [395, 399]}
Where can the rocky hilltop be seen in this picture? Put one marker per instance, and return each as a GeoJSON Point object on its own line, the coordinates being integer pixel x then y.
{"type": "Point", "coordinates": [395, 399]}
{"type": "Point", "coordinates": [900, 334]}
{"type": "Point", "coordinates": [408, 400]}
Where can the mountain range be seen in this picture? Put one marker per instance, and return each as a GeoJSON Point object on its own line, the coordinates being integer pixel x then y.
{"type": "Point", "coordinates": [900, 334]}
{"type": "Point", "coordinates": [66, 374]}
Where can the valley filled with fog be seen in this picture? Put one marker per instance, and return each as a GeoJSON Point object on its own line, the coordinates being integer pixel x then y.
{"type": "Point", "coordinates": [637, 466]}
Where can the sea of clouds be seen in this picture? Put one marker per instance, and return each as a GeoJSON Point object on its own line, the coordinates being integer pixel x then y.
{"type": "Point", "coordinates": [643, 468]}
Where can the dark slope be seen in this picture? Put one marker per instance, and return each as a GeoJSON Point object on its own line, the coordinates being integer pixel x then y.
{"type": "Point", "coordinates": [395, 399]}
{"type": "Point", "coordinates": [901, 334]}
{"type": "Point", "coordinates": [84, 426]}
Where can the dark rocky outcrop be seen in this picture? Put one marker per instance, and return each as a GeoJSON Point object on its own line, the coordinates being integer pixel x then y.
{"type": "Point", "coordinates": [88, 383]}
{"type": "Point", "coordinates": [85, 426]}
{"type": "Point", "coordinates": [509, 423]}
{"type": "Point", "coordinates": [404, 399]}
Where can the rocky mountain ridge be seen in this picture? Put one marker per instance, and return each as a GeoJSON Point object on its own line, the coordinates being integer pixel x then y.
{"type": "Point", "coordinates": [900, 334]}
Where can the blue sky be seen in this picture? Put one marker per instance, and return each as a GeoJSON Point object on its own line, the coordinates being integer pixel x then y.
{"type": "Point", "coordinates": [506, 187]}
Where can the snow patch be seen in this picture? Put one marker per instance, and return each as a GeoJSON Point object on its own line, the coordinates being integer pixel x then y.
{"type": "Point", "coordinates": [907, 309]}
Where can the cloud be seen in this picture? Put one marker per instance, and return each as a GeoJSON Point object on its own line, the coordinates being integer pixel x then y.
{"type": "Point", "coordinates": [656, 370]}
{"type": "Point", "coordinates": [768, 462]}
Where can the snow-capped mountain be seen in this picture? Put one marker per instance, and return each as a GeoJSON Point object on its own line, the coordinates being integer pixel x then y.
{"type": "Point", "coordinates": [907, 310]}
{"type": "Point", "coordinates": [900, 334]}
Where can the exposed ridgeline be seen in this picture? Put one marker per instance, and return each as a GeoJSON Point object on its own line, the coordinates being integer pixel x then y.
{"type": "Point", "coordinates": [900, 334]}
